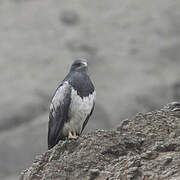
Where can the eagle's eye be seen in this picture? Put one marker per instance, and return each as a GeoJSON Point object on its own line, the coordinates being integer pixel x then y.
{"type": "Point", "coordinates": [78, 64]}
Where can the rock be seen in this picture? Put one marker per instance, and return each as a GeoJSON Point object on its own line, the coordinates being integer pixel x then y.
{"type": "Point", "coordinates": [122, 124]}
{"type": "Point", "coordinates": [149, 155]}
{"type": "Point", "coordinates": [93, 173]}
{"type": "Point", "coordinates": [143, 150]}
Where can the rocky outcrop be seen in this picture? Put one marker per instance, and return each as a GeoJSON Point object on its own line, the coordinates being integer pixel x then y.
{"type": "Point", "coordinates": [144, 147]}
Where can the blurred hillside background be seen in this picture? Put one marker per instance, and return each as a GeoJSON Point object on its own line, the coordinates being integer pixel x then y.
{"type": "Point", "coordinates": [133, 48]}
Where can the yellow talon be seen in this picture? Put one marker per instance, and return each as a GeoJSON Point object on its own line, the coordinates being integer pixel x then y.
{"type": "Point", "coordinates": [71, 136]}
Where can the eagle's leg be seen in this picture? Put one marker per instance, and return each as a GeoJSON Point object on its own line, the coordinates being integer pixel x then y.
{"type": "Point", "coordinates": [72, 136]}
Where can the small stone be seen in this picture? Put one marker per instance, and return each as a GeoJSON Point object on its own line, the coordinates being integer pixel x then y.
{"type": "Point", "coordinates": [122, 124]}
{"type": "Point", "coordinates": [173, 105]}
{"type": "Point", "coordinates": [149, 155]}
{"type": "Point", "coordinates": [94, 173]}
{"type": "Point", "coordinates": [133, 169]}
{"type": "Point", "coordinates": [168, 160]}
{"type": "Point", "coordinates": [172, 135]}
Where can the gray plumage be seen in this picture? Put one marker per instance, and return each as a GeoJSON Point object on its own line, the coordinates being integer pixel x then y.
{"type": "Point", "coordinates": [72, 104]}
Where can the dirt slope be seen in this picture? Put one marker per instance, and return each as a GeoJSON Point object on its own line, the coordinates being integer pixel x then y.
{"type": "Point", "coordinates": [144, 147]}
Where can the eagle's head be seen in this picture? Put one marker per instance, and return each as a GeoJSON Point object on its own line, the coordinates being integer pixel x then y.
{"type": "Point", "coordinates": [79, 65]}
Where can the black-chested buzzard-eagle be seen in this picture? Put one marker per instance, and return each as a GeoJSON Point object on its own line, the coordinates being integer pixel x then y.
{"type": "Point", "coordinates": [72, 104]}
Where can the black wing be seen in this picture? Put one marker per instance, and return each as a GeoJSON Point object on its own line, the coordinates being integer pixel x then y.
{"type": "Point", "coordinates": [58, 114]}
{"type": "Point", "coordinates": [86, 121]}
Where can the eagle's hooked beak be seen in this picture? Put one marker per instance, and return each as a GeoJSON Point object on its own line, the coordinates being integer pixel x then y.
{"type": "Point", "coordinates": [84, 64]}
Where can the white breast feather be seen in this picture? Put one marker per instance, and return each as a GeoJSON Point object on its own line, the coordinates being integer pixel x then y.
{"type": "Point", "coordinates": [80, 108]}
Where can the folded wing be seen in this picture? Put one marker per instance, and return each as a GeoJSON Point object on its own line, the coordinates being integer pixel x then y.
{"type": "Point", "coordinates": [58, 115]}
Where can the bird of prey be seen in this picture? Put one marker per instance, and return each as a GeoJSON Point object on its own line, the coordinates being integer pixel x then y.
{"type": "Point", "coordinates": [72, 104]}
